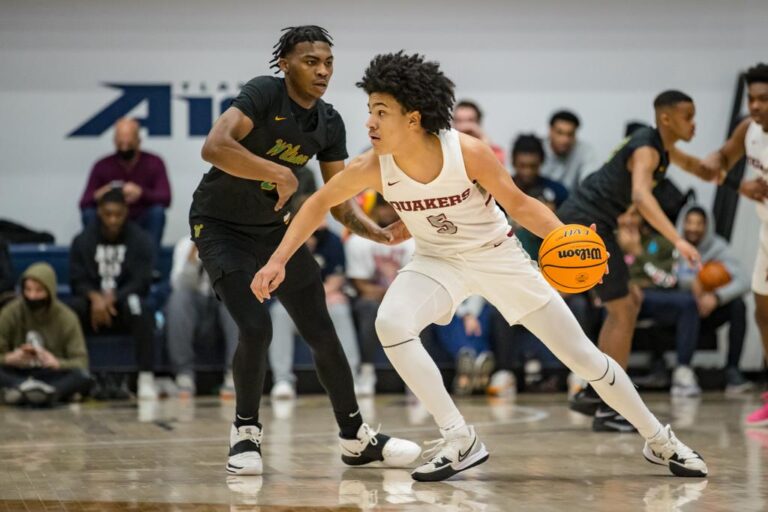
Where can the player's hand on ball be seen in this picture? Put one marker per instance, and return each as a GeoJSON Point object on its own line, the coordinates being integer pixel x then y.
{"type": "Point", "coordinates": [396, 233]}
{"type": "Point", "coordinates": [267, 280]}
{"type": "Point", "coordinates": [593, 227]}
{"type": "Point", "coordinates": [688, 252]}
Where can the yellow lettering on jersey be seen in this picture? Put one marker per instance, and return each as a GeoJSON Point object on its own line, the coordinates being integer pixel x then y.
{"type": "Point", "coordinates": [288, 152]}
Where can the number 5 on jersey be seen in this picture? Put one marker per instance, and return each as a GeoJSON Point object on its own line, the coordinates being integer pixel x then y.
{"type": "Point", "coordinates": [443, 225]}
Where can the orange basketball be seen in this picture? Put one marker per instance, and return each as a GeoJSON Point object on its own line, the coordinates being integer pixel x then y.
{"type": "Point", "coordinates": [573, 258]}
{"type": "Point", "coordinates": [713, 275]}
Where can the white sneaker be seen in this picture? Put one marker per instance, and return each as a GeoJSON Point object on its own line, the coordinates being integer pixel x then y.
{"type": "Point", "coordinates": [666, 450]}
{"type": "Point", "coordinates": [365, 384]}
{"type": "Point", "coordinates": [503, 384]}
{"type": "Point", "coordinates": [186, 384]}
{"type": "Point", "coordinates": [245, 450]}
{"type": "Point", "coordinates": [146, 389]}
{"type": "Point", "coordinates": [370, 446]}
{"type": "Point", "coordinates": [283, 390]}
{"type": "Point", "coordinates": [457, 451]}
{"type": "Point", "coordinates": [684, 382]}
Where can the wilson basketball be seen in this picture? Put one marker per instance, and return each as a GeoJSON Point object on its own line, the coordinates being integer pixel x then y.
{"type": "Point", "coordinates": [573, 258]}
{"type": "Point", "coordinates": [713, 275]}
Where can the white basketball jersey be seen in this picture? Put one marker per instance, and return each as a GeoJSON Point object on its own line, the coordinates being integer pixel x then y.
{"type": "Point", "coordinates": [448, 215]}
{"type": "Point", "coordinates": [756, 149]}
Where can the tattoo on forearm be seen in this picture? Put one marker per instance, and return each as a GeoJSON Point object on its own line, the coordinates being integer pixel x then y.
{"type": "Point", "coordinates": [351, 221]}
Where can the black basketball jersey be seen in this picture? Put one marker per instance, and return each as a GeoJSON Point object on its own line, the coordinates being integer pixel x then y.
{"type": "Point", "coordinates": [607, 193]}
{"type": "Point", "coordinates": [284, 133]}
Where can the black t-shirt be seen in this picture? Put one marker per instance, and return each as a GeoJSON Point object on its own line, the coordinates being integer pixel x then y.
{"type": "Point", "coordinates": [607, 193]}
{"type": "Point", "coordinates": [284, 133]}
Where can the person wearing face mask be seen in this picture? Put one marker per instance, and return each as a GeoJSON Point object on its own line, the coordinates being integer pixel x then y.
{"type": "Point", "coordinates": [43, 357]}
{"type": "Point", "coordinates": [139, 174]}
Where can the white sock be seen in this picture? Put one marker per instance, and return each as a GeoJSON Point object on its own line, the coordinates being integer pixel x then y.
{"type": "Point", "coordinates": [557, 328]}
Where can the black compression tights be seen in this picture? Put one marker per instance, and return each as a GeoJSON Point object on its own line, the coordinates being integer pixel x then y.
{"type": "Point", "coordinates": [310, 314]}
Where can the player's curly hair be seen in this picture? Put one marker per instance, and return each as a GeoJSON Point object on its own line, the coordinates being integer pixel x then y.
{"type": "Point", "coordinates": [416, 84]}
{"type": "Point", "coordinates": [757, 74]}
{"type": "Point", "coordinates": [295, 35]}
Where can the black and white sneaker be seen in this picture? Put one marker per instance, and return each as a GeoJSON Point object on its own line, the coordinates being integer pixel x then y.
{"type": "Point", "coordinates": [370, 446]}
{"type": "Point", "coordinates": [37, 392]}
{"type": "Point", "coordinates": [245, 450]}
{"type": "Point", "coordinates": [457, 451]}
{"type": "Point", "coordinates": [586, 401]}
{"type": "Point", "coordinates": [666, 450]}
{"type": "Point", "coordinates": [608, 420]}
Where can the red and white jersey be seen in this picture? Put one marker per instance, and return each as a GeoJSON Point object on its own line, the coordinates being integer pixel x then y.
{"type": "Point", "coordinates": [448, 215]}
{"type": "Point", "coordinates": [756, 149]}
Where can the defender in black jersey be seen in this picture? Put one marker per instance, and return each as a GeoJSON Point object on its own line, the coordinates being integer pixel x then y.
{"type": "Point", "coordinates": [239, 216]}
{"type": "Point", "coordinates": [635, 168]}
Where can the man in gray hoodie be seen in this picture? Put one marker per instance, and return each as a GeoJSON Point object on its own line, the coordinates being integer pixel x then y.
{"type": "Point", "coordinates": [724, 304]}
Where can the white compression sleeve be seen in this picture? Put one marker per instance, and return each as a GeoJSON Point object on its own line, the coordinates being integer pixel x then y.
{"type": "Point", "coordinates": [557, 328]}
{"type": "Point", "coordinates": [411, 303]}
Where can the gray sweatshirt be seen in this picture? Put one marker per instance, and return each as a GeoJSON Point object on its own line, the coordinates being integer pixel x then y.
{"type": "Point", "coordinates": [713, 248]}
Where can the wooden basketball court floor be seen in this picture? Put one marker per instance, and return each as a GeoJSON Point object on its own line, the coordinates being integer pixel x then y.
{"type": "Point", "coordinates": [169, 456]}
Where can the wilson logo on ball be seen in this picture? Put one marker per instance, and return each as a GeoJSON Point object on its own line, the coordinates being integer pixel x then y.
{"type": "Point", "coordinates": [582, 254]}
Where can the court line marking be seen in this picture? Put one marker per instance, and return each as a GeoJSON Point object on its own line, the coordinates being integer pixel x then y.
{"type": "Point", "coordinates": [533, 415]}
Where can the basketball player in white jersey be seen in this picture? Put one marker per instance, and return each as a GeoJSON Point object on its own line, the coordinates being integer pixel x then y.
{"type": "Point", "coordinates": [444, 185]}
{"type": "Point", "coordinates": [750, 138]}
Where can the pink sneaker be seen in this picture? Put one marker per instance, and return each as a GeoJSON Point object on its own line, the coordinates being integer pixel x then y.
{"type": "Point", "coordinates": [759, 418]}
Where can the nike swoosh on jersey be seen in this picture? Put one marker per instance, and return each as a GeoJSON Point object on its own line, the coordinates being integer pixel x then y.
{"type": "Point", "coordinates": [393, 183]}
{"type": "Point", "coordinates": [278, 118]}
{"type": "Point", "coordinates": [614, 379]}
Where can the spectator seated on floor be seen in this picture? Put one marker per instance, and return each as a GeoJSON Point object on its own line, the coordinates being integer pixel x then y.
{"type": "Point", "coordinates": [651, 261]}
{"type": "Point", "coordinates": [568, 158]}
{"type": "Point", "coordinates": [43, 358]}
{"type": "Point", "coordinates": [139, 174]}
{"type": "Point", "coordinates": [371, 268]}
{"type": "Point", "coordinates": [467, 338]}
{"type": "Point", "coordinates": [193, 312]}
{"type": "Point", "coordinates": [111, 264]}
{"type": "Point", "coordinates": [328, 251]}
{"type": "Point", "coordinates": [468, 118]}
{"type": "Point", "coordinates": [724, 304]}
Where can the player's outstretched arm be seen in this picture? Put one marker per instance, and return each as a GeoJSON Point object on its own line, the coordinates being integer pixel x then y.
{"type": "Point", "coordinates": [726, 157]}
{"type": "Point", "coordinates": [352, 216]}
{"type": "Point", "coordinates": [732, 151]}
{"type": "Point", "coordinates": [223, 149]}
{"type": "Point", "coordinates": [483, 166]}
{"type": "Point", "coordinates": [362, 173]}
{"type": "Point", "coordinates": [642, 164]}
{"type": "Point", "coordinates": [701, 168]}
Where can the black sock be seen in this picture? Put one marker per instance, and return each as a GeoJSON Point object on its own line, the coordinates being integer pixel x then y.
{"type": "Point", "coordinates": [349, 424]}
{"type": "Point", "coordinates": [240, 421]}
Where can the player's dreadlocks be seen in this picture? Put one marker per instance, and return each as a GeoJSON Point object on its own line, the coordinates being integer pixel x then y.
{"type": "Point", "coordinates": [757, 74]}
{"type": "Point", "coordinates": [417, 85]}
{"type": "Point", "coordinates": [295, 35]}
